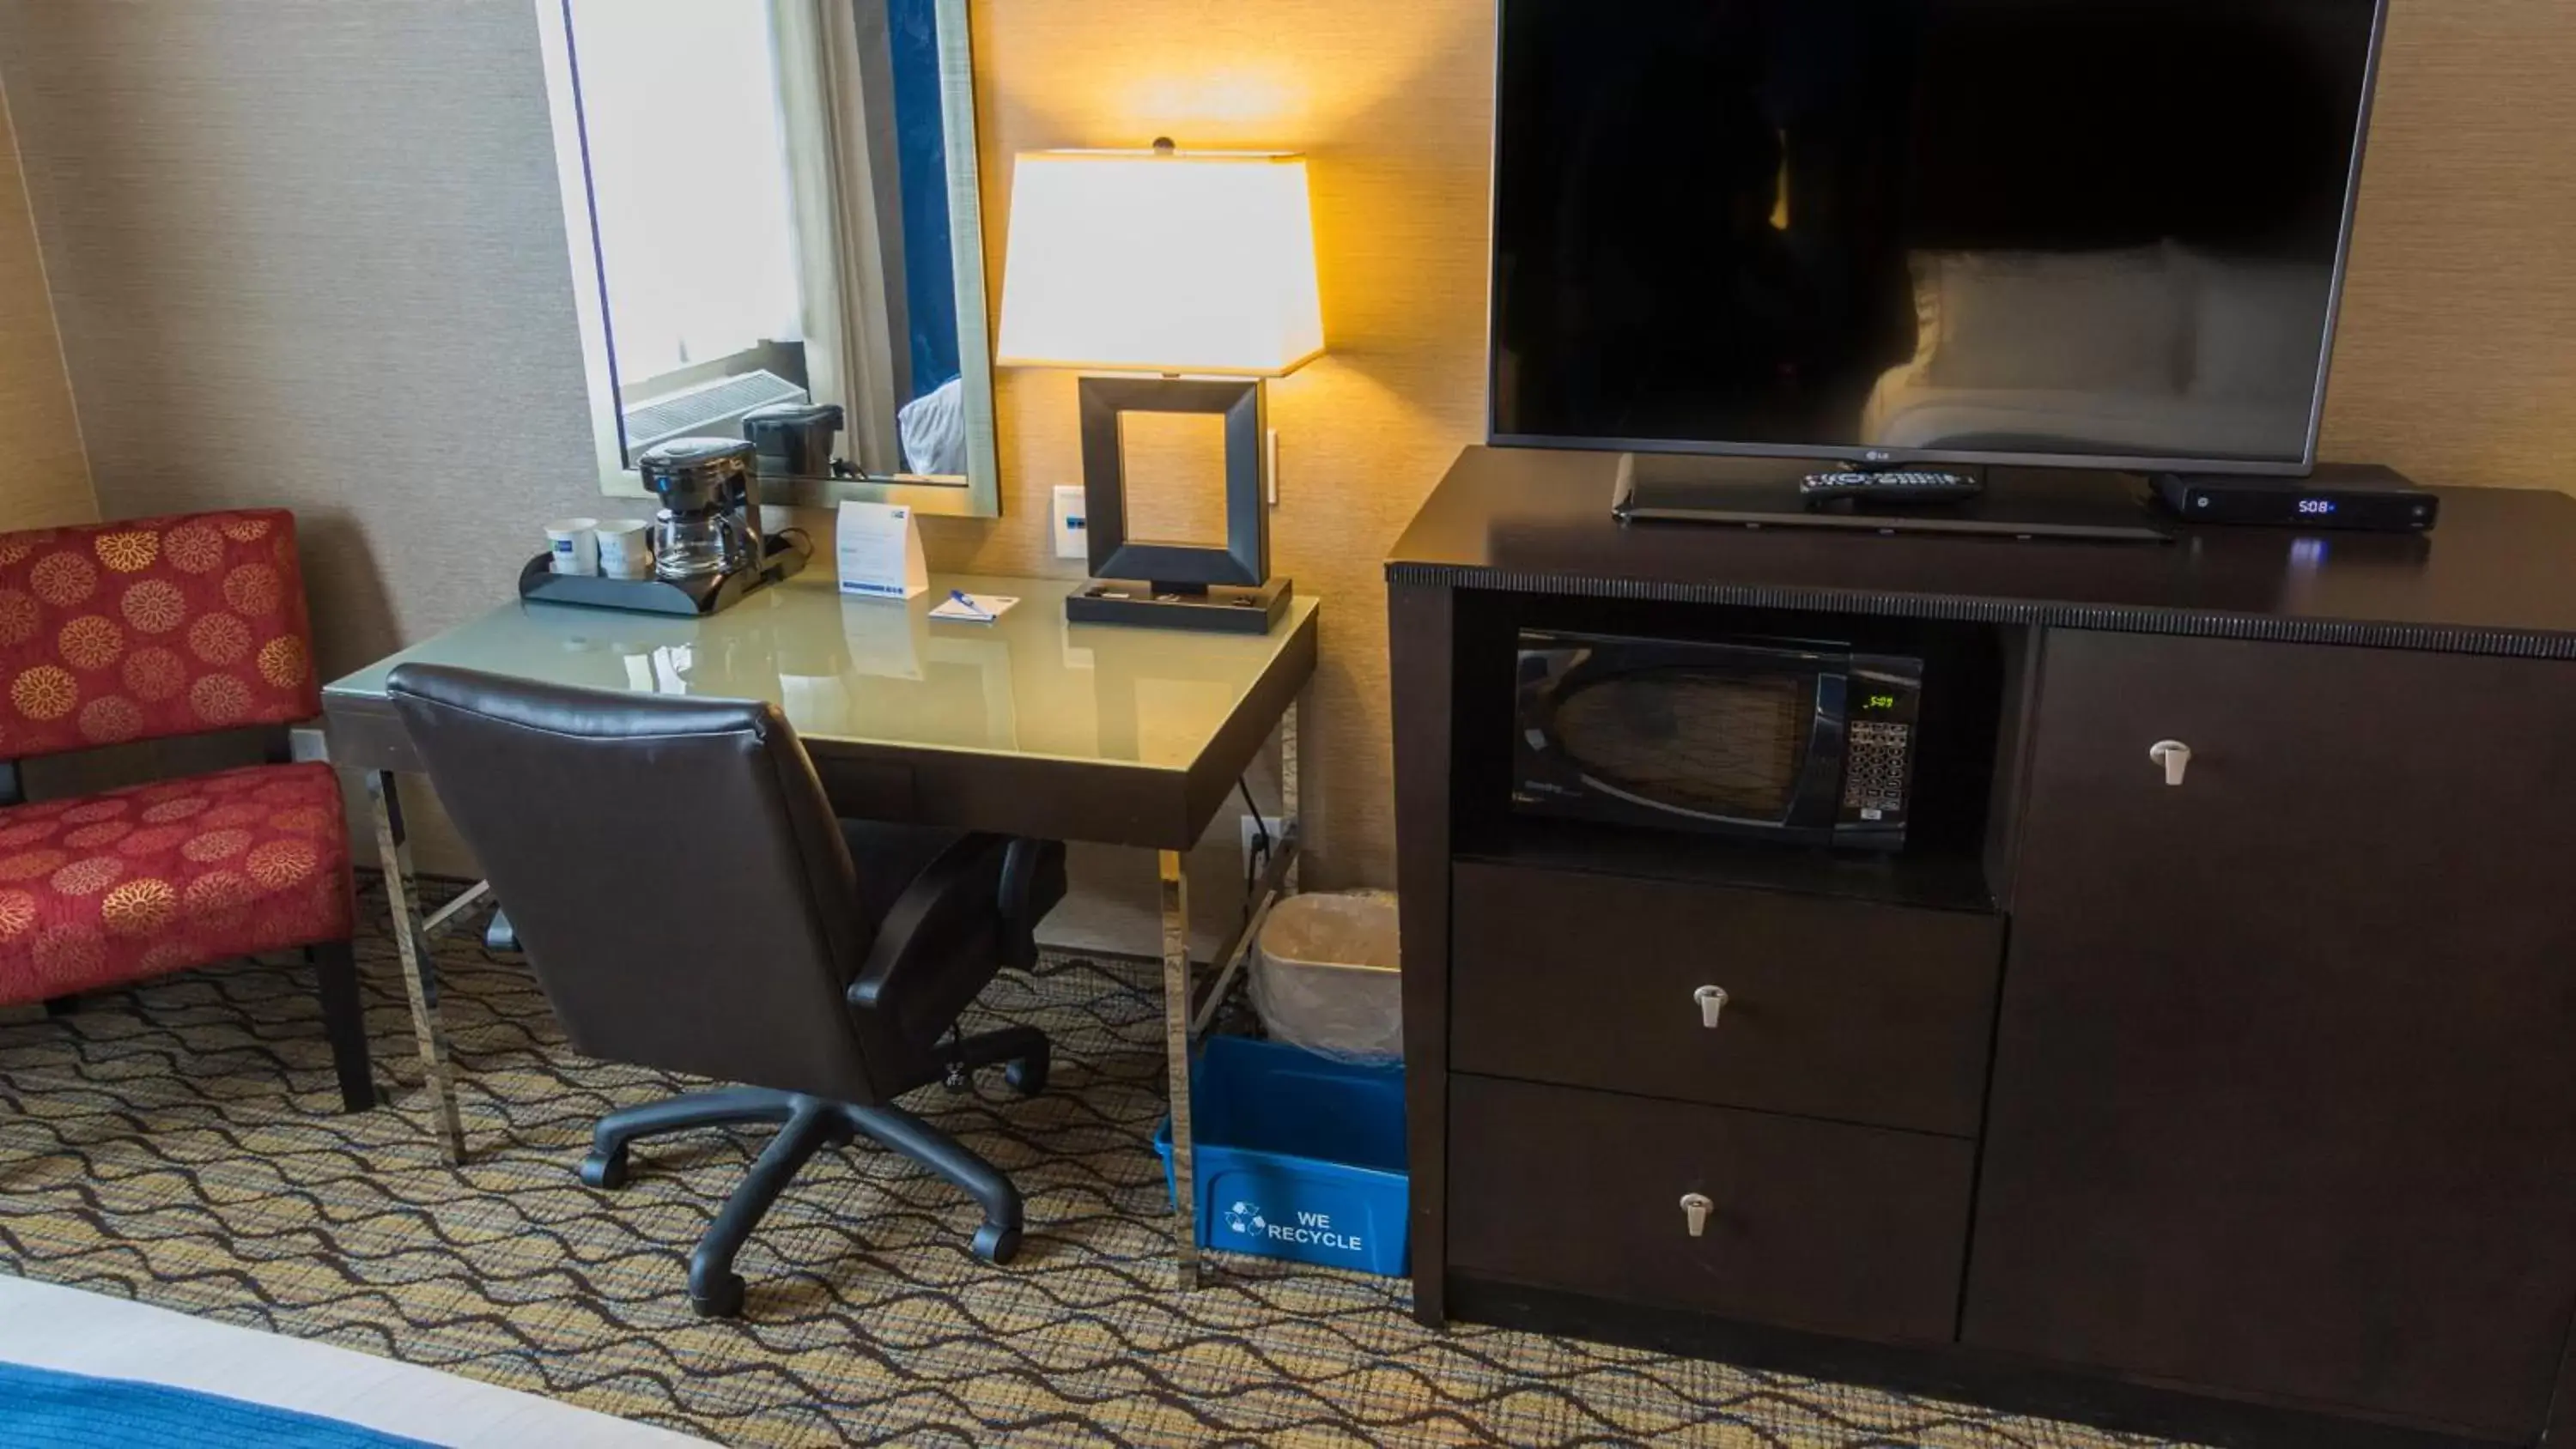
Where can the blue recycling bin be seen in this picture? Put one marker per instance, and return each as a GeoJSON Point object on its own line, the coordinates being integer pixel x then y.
{"type": "Point", "coordinates": [1299, 1156]}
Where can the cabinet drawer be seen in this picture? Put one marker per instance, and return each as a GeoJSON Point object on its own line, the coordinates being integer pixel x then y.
{"type": "Point", "coordinates": [1834, 1008]}
{"type": "Point", "coordinates": [1813, 1225]}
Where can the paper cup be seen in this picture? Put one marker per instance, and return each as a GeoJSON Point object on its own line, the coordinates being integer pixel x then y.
{"type": "Point", "coordinates": [625, 550]}
{"type": "Point", "coordinates": [575, 545]}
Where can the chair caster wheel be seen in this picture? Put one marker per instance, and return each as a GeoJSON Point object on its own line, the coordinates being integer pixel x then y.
{"type": "Point", "coordinates": [996, 1244]}
{"type": "Point", "coordinates": [719, 1297]}
{"type": "Point", "coordinates": [1028, 1075]}
{"type": "Point", "coordinates": [604, 1170]}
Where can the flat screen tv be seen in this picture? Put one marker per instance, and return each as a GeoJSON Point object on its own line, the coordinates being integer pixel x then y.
{"type": "Point", "coordinates": [2103, 233]}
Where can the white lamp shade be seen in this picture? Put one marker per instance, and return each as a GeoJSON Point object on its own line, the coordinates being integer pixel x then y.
{"type": "Point", "coordinates": [1198, 262]}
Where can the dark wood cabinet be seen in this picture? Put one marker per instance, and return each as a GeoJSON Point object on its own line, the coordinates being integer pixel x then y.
{"type": "Point", "coordinates": [2238, 1110]}
{"type": "Point", "coordinates": [2284, 1073]}
{"type": "Point", "coordinates": [1808, 1224]}
{"type": "Point", "coordinates": [1855, 1011]}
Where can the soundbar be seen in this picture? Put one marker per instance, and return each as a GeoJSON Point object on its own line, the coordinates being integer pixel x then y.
{"type": "Point", "coordinates": [2362, 496]}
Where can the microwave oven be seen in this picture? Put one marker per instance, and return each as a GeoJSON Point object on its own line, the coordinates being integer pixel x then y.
{"type": "Point", "coordinates": [1803, 743]}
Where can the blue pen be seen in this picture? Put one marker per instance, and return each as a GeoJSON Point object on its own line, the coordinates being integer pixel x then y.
{"type": "Point", "coordinates": [960, 598]}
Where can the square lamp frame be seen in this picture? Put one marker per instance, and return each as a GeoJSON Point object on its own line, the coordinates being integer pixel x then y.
{"type": "Point", "coordinates": [1176, 585]}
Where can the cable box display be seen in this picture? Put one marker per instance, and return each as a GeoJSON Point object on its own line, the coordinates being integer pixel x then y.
{"type": "Point", "coordinates": [2361, 496]}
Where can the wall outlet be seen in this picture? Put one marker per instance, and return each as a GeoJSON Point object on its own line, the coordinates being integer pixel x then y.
{"type": "Point", "coordinates": [1070, 540]}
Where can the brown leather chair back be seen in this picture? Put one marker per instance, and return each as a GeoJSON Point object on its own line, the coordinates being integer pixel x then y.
{"type": "Point", "coordinates": [674, 872]}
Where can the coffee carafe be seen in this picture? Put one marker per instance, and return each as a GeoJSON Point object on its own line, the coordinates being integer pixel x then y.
{"type": "Point", "coordinates": [709, 524]}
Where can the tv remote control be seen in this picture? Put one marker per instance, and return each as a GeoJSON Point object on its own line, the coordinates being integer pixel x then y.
{"type": "Point", "coordinates": [1892, 487]}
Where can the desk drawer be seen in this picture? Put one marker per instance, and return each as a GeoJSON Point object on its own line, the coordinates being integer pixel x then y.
{"type": "Point", "coordinates": [864, 789]}
{"type": "Point", "coordinates": [1834, 1008]}
{"type": "Point", "coordinates": [1814, 1225]}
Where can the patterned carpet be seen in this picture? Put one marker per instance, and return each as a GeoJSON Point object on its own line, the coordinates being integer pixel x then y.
{"type": "Point", "coordinates": [175, 1143]}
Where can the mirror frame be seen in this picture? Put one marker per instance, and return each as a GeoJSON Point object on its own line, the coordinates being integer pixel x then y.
{"type": "Point", "coordinates": [980, 496]}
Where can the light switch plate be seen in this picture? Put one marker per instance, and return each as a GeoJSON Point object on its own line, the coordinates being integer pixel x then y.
{"type": "Point", "coordinates": [1070, 540]}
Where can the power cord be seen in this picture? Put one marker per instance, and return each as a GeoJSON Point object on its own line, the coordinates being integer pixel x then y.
{"type": "Point", "coordinates": [1257, 859]}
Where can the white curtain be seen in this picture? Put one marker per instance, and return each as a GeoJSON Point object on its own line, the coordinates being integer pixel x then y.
{"type": "Point", "coordinates": [823, 104]}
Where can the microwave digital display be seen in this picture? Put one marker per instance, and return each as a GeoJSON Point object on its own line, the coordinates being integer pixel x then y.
{"type": "Point", "coordinates": [1792, 741]}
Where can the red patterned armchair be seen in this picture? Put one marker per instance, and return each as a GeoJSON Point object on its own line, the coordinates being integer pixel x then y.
{"type": "Point", "coordinates": [141, 630]}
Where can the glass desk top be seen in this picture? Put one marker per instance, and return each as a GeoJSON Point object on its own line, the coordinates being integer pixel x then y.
{"type": "Point", "coordinates": [881, 672]}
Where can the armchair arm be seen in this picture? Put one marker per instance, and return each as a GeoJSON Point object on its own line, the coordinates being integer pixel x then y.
{"type": "Point", "coordinates": [949, 906]}
{"type": "Point", "coordinates": [985, 890]}
{"type": "Point", "coordinates": [1032, 882]}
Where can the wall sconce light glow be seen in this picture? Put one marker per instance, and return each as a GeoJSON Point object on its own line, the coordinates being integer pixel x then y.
{"type": "Point", "coordinates": [1172, 262]}
{"type": "Point", "coordinates": [1235, 97]}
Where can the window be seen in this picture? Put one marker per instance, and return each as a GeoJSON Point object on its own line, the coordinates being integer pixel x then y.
{"type": "Point", "coordinates": [688, 174]}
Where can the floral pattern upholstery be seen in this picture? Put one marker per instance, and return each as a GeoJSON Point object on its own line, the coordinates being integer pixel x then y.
{"type": "Point", "coordinates": [100, 890]}
{"type": "Point", "coordinates": [139, 630]}
{"type": "Point", "coordinates": [151, 627]}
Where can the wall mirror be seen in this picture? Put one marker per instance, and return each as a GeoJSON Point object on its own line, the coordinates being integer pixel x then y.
{"type": "Point", "coordinates": [773, 220]}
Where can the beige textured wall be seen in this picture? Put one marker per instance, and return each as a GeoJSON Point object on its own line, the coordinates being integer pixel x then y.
{"type": "Point", "coordinates": [309, 252]}
{"type": "Point", "coordinates": [47, 480]}
{"type": "Point", "coordinates": [2456, 360]}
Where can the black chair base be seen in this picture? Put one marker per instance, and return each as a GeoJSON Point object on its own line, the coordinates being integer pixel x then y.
{"type": "Point", "coordinates": [807, 1125]}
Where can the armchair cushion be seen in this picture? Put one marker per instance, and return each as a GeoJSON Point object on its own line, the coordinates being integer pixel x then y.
{"type": "Point", "coordinates": [151, 627]}
{"type": "Point", "coordinates": [103, 889]}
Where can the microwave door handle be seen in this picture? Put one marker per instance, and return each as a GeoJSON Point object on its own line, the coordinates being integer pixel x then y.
{"type": "Point", "coordinates": [1820, 781]}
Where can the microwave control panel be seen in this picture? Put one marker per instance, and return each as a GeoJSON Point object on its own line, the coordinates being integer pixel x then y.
{"type": "Point", "coordinates": [1884, 695]}
{"type": "Point", "coordinates": [1874, 773]}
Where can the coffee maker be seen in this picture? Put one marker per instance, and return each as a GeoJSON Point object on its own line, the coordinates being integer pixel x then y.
{"type": "Point", "coordinates": [709, 524]}
{"type": "Point", "coordinates": [708, 550]}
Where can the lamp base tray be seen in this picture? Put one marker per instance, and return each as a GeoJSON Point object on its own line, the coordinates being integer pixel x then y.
{"type": "Point", "coordinates": [1220, 609]}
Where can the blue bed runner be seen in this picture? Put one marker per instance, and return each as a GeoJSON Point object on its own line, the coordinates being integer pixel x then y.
{"type": "Point", "coordinates": [42, 1409]}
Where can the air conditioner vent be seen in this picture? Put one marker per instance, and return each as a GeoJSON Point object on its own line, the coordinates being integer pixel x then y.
{"type": "Point", "coordinates": [708, 408]}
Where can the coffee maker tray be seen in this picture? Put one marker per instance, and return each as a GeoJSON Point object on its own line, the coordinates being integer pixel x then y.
{"type": "Point", "coordinates": [784, 553]}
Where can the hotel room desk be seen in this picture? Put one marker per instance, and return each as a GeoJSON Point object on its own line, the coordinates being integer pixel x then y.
{"type": "Point", "coordinates": [1025, 726]}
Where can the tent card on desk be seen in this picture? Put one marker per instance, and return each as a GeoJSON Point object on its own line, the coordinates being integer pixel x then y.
{"type": "Point", "coordinates": [879, 545]}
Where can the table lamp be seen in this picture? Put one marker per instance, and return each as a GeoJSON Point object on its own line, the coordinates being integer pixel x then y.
{"type": "Point", "coordinates": [1197, 269]}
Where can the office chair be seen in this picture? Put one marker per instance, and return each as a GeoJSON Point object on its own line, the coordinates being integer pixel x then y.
{"type": "Point", "coordinates": [689, 903]}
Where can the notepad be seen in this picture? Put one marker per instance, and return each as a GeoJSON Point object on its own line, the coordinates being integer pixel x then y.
{"type": "Point", "coordinates": [963, 608]}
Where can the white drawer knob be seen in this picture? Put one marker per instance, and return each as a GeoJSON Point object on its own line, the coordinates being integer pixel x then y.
{"type": "Point", "coordinates": [1712, 1000]}
{"type": "Point", "coordinates": [1695, 1210]}
{"type": "Point", "coordinates": [2174, 755]}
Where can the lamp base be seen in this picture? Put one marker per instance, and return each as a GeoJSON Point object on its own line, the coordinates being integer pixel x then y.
{"type": "Point", "coordinates": [1216, 609]}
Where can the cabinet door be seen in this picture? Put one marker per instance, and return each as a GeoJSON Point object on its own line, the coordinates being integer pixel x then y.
{"type": "Point", "coordinates": [2285, 1076]}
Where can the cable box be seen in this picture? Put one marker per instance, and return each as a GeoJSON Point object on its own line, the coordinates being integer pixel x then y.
{"type": "Point", "coordinates": [2362, 496]}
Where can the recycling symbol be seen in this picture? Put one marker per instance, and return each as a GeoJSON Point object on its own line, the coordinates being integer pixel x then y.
{"type": "Point", "coordinates": [1245, 1219]}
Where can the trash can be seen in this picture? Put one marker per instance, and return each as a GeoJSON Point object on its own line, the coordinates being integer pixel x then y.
{"type": "Point", "coordinates": [1297, 1156]}
{"type": "Point", "coordinates": [1325, 978]}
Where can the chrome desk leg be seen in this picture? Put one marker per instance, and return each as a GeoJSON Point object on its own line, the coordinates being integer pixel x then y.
{"type": "Point", "coordinates": [420, 979]}
{"type": "Point", "coordinates": [1176, 1054]}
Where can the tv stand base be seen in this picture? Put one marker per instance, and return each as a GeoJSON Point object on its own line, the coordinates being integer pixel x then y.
{"type": "Point", "coordinates": [2028, 503]}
